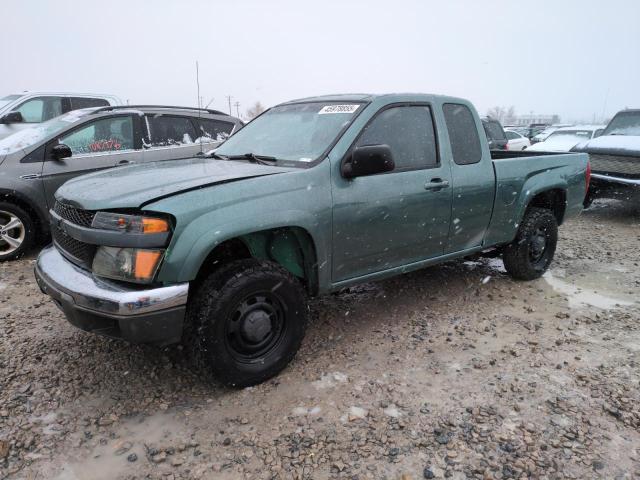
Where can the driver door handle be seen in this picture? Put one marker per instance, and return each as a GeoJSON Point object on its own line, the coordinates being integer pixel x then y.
{"type": "Point", "coordinates": [436, 184]}
{"type": "Point", "coordinates": [125, 162]}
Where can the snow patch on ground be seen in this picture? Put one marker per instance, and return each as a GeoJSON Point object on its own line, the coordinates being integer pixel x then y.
{"type": "Point", "coordinates": [330, 380]}
{"type": "Point", "coordinates": [579, 297]}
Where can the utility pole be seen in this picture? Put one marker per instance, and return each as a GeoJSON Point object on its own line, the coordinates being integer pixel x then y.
{"type": "Point", "coordinates": [237, 105]}
{"type": "Point", "coordinates": [229, 97]}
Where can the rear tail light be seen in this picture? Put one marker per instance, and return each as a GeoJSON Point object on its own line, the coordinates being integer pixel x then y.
{"type": "Point", "coordinates": [588, 175]}
{"type": "Point", "coordinates": [506, 147]}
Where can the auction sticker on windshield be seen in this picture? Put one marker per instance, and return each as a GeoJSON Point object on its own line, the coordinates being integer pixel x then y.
{"type": "Point", "coordinates": [338, 109]}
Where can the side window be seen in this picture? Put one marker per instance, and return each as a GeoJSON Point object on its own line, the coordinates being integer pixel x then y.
{"type": "Point", "coordinates": [168, 130]}
{"type": "Point", "coordinates": [511, 135]}
{"type": "Point", "coordinates": [463, 134]}
{"type": "Point", "coordinates": [105, 135]}
{"type": "Point", "coordinates": [213, 130]}
{"type": "Point", "coordinates": [83, 102]}
{"type": "Point", "coordinates": [598, 132]}
{"type": "Point", "coordinates": [409, 131]}
{"type": "Point", "coordinates": [40, 109]}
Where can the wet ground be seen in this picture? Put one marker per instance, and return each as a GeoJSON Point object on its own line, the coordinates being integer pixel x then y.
{"type": "Point", "coordinates": [456, 371]}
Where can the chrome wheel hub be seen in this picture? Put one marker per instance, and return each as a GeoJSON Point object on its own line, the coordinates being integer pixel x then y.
{"type": "Point", "coordinates": [12, 232]}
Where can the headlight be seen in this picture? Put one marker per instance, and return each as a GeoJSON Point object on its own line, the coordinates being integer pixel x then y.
{"type": "Point", "coordinates": [129, 223]}
{"type": "Point", "coordinates": [127, 264]}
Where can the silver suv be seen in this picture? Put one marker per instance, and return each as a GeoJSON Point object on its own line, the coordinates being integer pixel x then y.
{"type": "Point", "coordinates": [36, 161]}
{"type": "Point", "coordinates": [24, 110]}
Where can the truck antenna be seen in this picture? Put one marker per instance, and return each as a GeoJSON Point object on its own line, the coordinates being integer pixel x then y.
{"type": "Point", "coordinates": [199, 105]}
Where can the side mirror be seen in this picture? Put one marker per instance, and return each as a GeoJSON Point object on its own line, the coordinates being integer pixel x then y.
{"type": "Point", "coordinates": [58, 152]}
{"type": "Point", "coordinates": [368, 160]}
{"type": "Point", "coordinates": [12, 117]}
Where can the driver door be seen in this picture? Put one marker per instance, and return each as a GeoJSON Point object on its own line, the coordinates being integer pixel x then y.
{"type": "Point", "coordinates": [96, 145]}
{"type": "Point", "coordinates": [392, 219]}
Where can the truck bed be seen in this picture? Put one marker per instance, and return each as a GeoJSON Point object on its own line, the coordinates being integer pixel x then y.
{"type": "Point", "coordinates": [520, 176]}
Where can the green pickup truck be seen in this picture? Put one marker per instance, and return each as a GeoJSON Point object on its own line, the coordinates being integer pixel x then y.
{"type": "Point", "coordinates": [221, 251]}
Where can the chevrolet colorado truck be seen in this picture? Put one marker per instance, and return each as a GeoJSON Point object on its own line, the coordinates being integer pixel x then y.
{"type": "Point", "coordinates": [312, 196]}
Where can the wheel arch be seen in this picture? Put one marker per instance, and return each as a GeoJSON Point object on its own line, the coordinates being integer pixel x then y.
{"type": "Point", "coordinates": [554, 199]}
{"type": "Point", "coordinates": [291, 247]}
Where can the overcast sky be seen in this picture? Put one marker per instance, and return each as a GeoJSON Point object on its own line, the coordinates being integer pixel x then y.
{"type": "Point", "coordinates": [574, 58]}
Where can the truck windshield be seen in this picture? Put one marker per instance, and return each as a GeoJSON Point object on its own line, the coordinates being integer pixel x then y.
{"type": "Point", "coordinates": [7, 100]}
{"type": "Point", "coordinates": [30, 136]}
{"type": "Point", "coordinates": [624, 123]}
{"type": "Point", "coordinates": [298, 132]}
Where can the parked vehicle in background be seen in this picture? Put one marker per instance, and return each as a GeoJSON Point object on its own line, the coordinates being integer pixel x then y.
{"type": "Point", "coordinates": [615, 157]}
{"type": "Point", "coordinates": [528, 131]}
{"type": "Point", "coordinates": [312, 196]}
{"type": "Point", "coordinates": [564, 139]}
{"type": "Point", "coordinates": [516, 140]}
{"type": "Point", "coordinates": [544, 134]}
{"type": "Point", "coordinates": [36, 161]}
{"type": "Point", "coordinates": [25, 110]}
{"type": "Point", "coordinates": [495, 134]}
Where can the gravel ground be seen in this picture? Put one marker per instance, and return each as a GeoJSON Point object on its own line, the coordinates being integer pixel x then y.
{"type": "Point", "coordinates": [452, 372]}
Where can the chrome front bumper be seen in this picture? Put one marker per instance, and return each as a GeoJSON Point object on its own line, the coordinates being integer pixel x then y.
{"type": "Point", "coordinates": [153, 315]}
{"type": "Point", "coordinates": [621, 180]}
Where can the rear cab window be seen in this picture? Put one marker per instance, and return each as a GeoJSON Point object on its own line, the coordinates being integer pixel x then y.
{"type": "Point", "coordinates": [463, 134]}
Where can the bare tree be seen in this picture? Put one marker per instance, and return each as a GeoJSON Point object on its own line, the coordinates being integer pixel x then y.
{"type": "Point", "coordinates": [510, 116]}
{"type": "Point", "coordinates": [255, 110]}
{"type": "Point", "coordinates": [503, 114]}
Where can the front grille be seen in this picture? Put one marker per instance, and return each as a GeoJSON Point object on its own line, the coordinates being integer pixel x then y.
{"type": "Point", "coordinates": [78, 252]}
{"type": "Point", "coordinates": [615, 164]}
{"type": "Point", "coordinates": [74, 215]}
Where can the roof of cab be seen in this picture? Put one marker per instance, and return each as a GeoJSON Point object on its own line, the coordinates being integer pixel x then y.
{"type": "Point", "coordinates": [368, 97]}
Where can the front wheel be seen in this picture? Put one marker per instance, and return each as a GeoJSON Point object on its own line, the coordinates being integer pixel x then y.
{"type": "Point", "coordinates": [17, 231]}
{"type": "Point", "coordinates": [249, 319]}
{"type": "Point", "coordinates": [531, 253]}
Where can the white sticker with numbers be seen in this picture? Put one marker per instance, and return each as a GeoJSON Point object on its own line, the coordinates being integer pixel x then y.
{"type": "Point", "coordinates": [338, 109]}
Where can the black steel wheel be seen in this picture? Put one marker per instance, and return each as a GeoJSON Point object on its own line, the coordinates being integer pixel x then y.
{"type": "Point", "coordinates": [246, 321]}
{"type": "Point", "coordinates": [531, 252]}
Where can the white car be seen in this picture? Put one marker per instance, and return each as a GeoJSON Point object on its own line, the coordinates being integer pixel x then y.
{"type": "Point", "coordinates": [24, 110]}
{"type": "Point", "coordinates": [544, 134]}
{"type": "Point", "coordinates": [564, 139]}
{"type": "Point", "coordinates": [516, 141]}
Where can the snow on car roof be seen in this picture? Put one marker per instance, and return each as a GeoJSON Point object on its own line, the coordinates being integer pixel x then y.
{"type": "Point", "coordinates": [580, 127]}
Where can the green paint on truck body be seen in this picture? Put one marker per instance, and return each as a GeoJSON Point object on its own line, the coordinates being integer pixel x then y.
{"type": "Point", "coordinates": [330, 230]}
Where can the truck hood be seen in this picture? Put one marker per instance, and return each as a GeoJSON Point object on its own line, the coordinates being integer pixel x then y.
{"type": "Point", "coordinates": [136, 185]}
{"type": "Point", "coordinates": [628, 145]}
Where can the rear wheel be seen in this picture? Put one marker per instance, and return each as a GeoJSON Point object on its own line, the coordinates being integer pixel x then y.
{"type": "Point", "coordinates": [17, 231]}
{"type": "Point", "coordinates": [531, 253]}
{"type": "Point", "coordinates": [249, 319]}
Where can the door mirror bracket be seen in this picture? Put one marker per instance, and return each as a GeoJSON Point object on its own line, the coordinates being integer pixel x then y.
{"type": "Point", "coordinates": [368, 160]}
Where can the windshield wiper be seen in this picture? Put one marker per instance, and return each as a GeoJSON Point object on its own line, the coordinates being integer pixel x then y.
{"type": "Point", "coordinates": [253, 158]}
{"type": "Point", "coordinates": [213, 154]}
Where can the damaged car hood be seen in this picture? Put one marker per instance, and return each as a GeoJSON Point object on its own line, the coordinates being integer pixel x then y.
{"type": "Point", "coordinates": [133, 186]}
